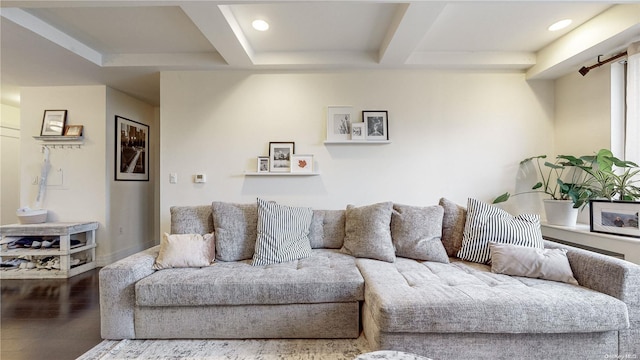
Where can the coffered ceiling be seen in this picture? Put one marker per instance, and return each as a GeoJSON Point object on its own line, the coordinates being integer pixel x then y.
{"type": "Point", "coordinates": [125, 44]}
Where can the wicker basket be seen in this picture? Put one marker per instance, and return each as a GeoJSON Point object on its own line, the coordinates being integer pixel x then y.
{"type": "Point", "coordinates": [32, 216]}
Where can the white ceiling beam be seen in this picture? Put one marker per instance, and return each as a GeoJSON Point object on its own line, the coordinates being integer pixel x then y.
{"type": "Point", "coordinates": [220, 27]}
{"type": "Point", "coordinates": [477, 59]}
{"type": "Point", "coordinates": [312, 58]}
{"type": "Point", "coordinates": [601, 32]}
{"type": "Point", "coordinates": [410, 25]}
{"type": "Point", "coordinates": [51, 33]}
{"type": "Point", "coordinates": [182, 60]}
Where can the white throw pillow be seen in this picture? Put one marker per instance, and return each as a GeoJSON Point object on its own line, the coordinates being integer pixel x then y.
{"type": "Point", "coordinates": [487, 223]}
{"type": "Point", "coordinates": [185, 250]}
{"type": "Point", "coordinates": [283, 233]}
{"type": "Point", "coordinates": [548, 264]}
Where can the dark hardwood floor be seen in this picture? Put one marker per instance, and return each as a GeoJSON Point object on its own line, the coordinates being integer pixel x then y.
{"type": "Point", "coordinates": [49, 319]}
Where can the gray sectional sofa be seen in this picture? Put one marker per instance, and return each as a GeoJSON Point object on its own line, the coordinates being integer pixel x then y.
{"type": "Point", "coordinates": [445, 309]}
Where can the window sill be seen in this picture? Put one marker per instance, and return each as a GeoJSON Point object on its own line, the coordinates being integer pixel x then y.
{"type": "Point", "coordinates": [624, 247]}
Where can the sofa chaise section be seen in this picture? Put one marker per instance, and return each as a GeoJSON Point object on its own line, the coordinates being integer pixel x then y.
{"type": "Point", "coordinates": [462, 310]}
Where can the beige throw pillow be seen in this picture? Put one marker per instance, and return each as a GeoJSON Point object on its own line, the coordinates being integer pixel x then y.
{"type": "Point", "coordinates": [185, 250]}
{"type": "Point", "coordinates": [548, 264]}
{"type": "Point", "coordinates": [416, 232]}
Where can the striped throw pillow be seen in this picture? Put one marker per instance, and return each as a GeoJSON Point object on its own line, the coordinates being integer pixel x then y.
{"type": "Point", "coordinates": [283, 233]}
{"type": "Point", "coordinates": [487, 223]}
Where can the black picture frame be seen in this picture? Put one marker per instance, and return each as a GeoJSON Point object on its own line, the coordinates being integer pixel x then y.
{"type": "Point", "coordinates": [615, 217]}
{"type": "Point", "coordinates": [53, 123]}
{"type": "Point", "coordinates": [280, 155]}
{"type": "Point", "coordinates": [132, 150]}
{"type": "Point", "coordinates": [377, 125]}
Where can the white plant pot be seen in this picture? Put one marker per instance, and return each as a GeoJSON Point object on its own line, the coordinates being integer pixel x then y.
{"type": "Point", "coordinates": [560, 212]}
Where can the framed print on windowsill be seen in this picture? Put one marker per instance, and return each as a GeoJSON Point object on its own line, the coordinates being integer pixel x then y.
{"type": "Point", "coordinates": [53, 122]}
{"type": "Point", "coordinates": [339, 119]}
{"type": "Point", "coordinates": [280, 156]}
{"type": "Point", "coordinates": [377, 124]}
{"type": "Point", "coordinates": [615, 217]}
{"type": "Point", "coordinates": [132, 150]}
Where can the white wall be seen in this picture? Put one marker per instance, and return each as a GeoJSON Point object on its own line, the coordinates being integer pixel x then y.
{"type": "Point", "coordinates": [9, 163]}
{"type": "Point", "coordinates": [86, 190]}
{"type": "Point", "coordinates": [455, 134]}
{"type": "Point", "coordinates": [583, 112]}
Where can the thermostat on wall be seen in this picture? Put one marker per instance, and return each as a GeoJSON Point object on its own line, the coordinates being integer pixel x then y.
{"type": "Point", "coordinates": [200, 178]}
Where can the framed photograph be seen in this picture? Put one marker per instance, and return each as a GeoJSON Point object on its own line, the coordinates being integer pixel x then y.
{"type": "Point", "coordinates": [73, 130]}
{"type": "Point", "coordinates": [377, 124]}
{"type": "Point", "coordinates": [339, 119]}
{"type": "Point", "coordinates": [280, 156]}
{"type": "Point", "coordinates": [615, 217]}
{"type": "Point", "coordinates": [301, 163]}
{"type": "Point", "coordinates": [263, 164]}
{"type": "Point", "coordinates": [132, 150]}
{"type": "Point", "coordinates": [53, 122]}
{"type": "Point", "coordinates": [358, 131]}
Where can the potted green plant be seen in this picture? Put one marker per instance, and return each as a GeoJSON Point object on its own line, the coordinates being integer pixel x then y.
{"type": "Point", "coordinates": [612, 178]}
{"type": "Point", "coordinates": [564, 182]}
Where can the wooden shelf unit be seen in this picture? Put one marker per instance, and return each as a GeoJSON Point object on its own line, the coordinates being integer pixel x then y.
{"type": "Point", "coordinates": [85, 232]}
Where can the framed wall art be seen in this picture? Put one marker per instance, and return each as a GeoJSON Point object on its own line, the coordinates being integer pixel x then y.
{"type": "Point", "coordinates": [301, 163]}
{"type": "Point", "coordinates": [280, 156]}
{"type": "Point", "coordinates": [132, 150]}
{"type": "Point", "coordinates": [53, 122]}
{"type": "Point", "coordinates": [263, 164]}
{"type": "Point", "coordinates": [615, 217]}
{"type": "Point", "coordinates": [358, 131]}
{"type": "Point", "coordinates": [73, 130]}
{"type": "Point", "coordinates": [377, 124]}
{"type": "Point", "coordinates": [339, 119]}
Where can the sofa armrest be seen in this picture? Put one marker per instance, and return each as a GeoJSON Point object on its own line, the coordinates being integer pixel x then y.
{"type": "Point", "coordinates": [117, 293]}
{"type": "Point", "coordinates": [608, 275]}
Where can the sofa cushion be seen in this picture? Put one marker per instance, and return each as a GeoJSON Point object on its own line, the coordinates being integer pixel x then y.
{"type": "Point", "coordinates": [487, 223]}
{"type": "Point", "coordinates": [412, 296]}
{"type": "Point", "coordinates": [235, 227]}
{"type": "Point", "coordinates": [185, 250]}
{"type": "Point", "coordinates": [195, 219]}
{"type": "Point", "coordinates": [327, 229]}
{"type": "Point", "coordinates": [326, 276]}
{"type": "Point", "coordinates": [416, 232]}
{"type": "Point", "coordinates": [283, 233]}
{"type": "Point", "coordinates": [453, 222]}
{"type": "Point", "coordinates": [368, 232]}
{"type": "Point", "coordinates": [549, 264]}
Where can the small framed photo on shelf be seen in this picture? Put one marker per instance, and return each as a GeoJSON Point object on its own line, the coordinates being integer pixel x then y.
{"type": "Point", "coordinates": [358, 131]}
{"type": "Point", "coordinates": [73, 130]}
{"type": "Point", "coordinates": [339, 119]}
{"type": "Point", "coordinates": [263, 164]}
{"type": "Point", "coordinates": [280, 156]}
{"type": "Point", "coordinates": [377, 124]}
{"type": "Point", "coordinates": [53, 122]}
{"type": "Point", "coordinates": [301, 163]}
{"type": "Point", "coordinates": [615, 217]}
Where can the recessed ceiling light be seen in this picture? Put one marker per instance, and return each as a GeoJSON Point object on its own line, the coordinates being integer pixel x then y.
{"type": "Point", "coordinates": [560, 25]}
{"type": "Point", "coordinates": [260, 25]}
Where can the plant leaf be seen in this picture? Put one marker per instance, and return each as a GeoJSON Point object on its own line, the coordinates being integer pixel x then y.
{"type": "Point", "coordinates": [502, 198]}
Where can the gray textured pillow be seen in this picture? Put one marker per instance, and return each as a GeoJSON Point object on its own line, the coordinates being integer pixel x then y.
{"type": "Point", "coordinates": [235, 230]}
{"type": "Point", "coordinates": [191, 219]}
{"type": "Point", "coordinates": [452, 226]}
{"type": "Point", "coordinates": [368, 232]}
{"type": "Point", "coordinates": [487, 223]}
{"type": "Point", "coordinates": [548, 264]}
{"type": "Point", "coordinates": [416, 232]}
{"type": "Point", "coordinates": [283, 233]}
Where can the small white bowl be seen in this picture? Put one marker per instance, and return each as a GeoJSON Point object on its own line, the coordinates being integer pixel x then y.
{"type": "Point", "coordinates": [32, 216]}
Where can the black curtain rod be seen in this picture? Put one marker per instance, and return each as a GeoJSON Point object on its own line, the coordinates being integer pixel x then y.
{"type": "Point", "coordinates": [585, 69]}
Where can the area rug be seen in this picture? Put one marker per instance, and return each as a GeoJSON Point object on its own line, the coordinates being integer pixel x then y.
{"type": "Point", "coordinates": [294, 349]}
